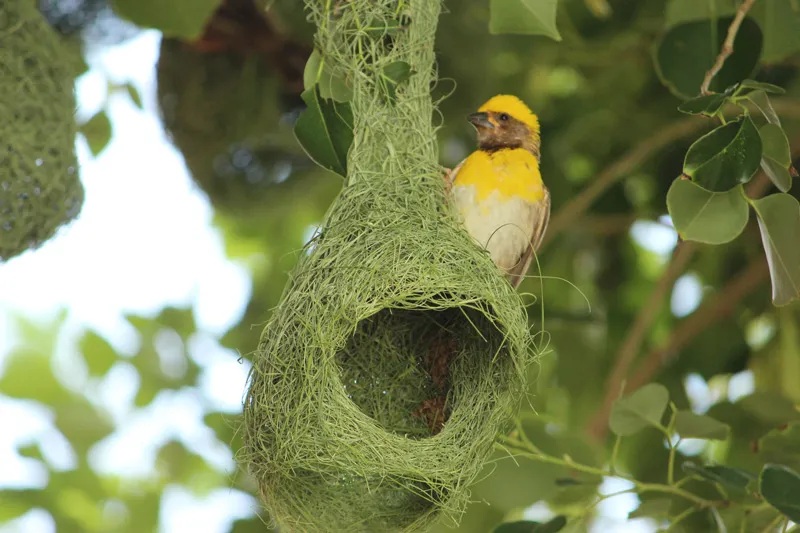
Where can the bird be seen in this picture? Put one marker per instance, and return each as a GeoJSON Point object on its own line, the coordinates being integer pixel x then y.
{"type": "Point", "coordinates": [497, 190]}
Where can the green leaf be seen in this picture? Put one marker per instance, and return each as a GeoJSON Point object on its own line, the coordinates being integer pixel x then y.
{"type": "Point", "coordinates": [769, 407]}
{"type": "Point", "coordinates": [12, 508]}
{"type": "Point", "coordinates": [780, 23]}
{"type": "Point", "coordinates": [526, 526]}
{"type": "Point", "coordinates": [331, 86]}
{"type": "Point", "coordinates": [782, 446]}
{"type": "Point", "coordinates": [707, 105]}
{"type": "Point", "coordinates": [779, 222]}
{"type": "Point", "coordinates": [775, 145]}
{"type": "Point", "coordinates": [325, 131]}
{"type": "Point", "coordinates": [724, 157]}
{"type": "Point", "coordinates": [776, 157]}
{"type": "Point", "coordinates": [761, 101]}
{"type": "Point", "coordinates": [733, 478]}
{"type": "Point", "coordinates": [656, 508]}
{"type": "Point", "coordinates": [98, 353]}
{"type": "Point", "coordinates": [690, 425]}
{"type": "Point", "coordinates": [643, 408]}
{"type": "Point", "coordinates": [778, 175]}
{"type": "Point", "coordinates": [393, 75]}
{"type": "Point", "coordinates": [679, 11]}
{"type": "Point", "coordinates": [762, 86]}
{"type": "Point", "coordinates": [529, 17]}
{"type": "Point", "coordinates": [185, 19]}
{"type": "Point", "coordinates": [780, 487]}
{"type": "Point", "coordinates": [687, 50]}
{"type": "Point", "coordinates": [704, 216]}
{"type": "Point", "coordinates": [133, 92]}
{"type": "Point", "coordinates": [97, 132]}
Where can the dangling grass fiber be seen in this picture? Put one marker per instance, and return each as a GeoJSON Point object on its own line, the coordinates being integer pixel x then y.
{"type": "Point", "coordinates": [390, 283]}
{"type": "Point", "coordinates": [39, 185]}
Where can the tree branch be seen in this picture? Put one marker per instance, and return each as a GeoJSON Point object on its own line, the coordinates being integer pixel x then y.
{"type": "Point", "coordinates": [721, 306]}
{"type": "Point", "coordinates": [681, 255]}
{"type": "Point", "coordinates": [620, 168]}
{"type": "Point", "coordinates": [686, 330]}
{"type": "Point", "coordinates": [727, 47]}
{"type": "Point", "coordinates": [635, 157]}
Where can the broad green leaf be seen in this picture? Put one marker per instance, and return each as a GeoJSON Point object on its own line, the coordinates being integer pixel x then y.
{"type": "Point", "coordinates": [529, 17]}
{"type": "Point", "coordinates": [325, 131]}
{"type": "Point", "coordinates": [97, 132]}
{"type": "Point", "coordinates": [761, 101]}
{"type": "Point", "coordinates": [704, 216]}
{"type": "Point", "coordinates": [779, 222]}
{"type": "Point", "coordinates": [526, 526]}
{"type": "Point", "coordinates": [13, 507]}
{"type": "Point", "coordinates": [679, 11]}
{"type": "Point", "coordinates": [782, 446]}
{"type": "Point", "coordinates": [655, 508]}
{"type": "Point", "coordinates": [185, 19]}
{"type": "Point", "coordinates": [724, 157]}
{"type": "Point", "coordinates": [683, 72]}
{"type": "Point", "coordinates": [29, 375]}
{"type": "Point", "coordinates": [780, 487]}
{"type": "Point", "coordinates": [707, 105]}
{"type": "Point", "coordinates": [330, 86]}
{"type": "Point", "coordinates": [762, 86]}
{"type": "Point", "coordinates": [81, 423]}
{"type": "Point", "coordinates": [778, 175]}
{"type": "Point", "coordinates": [393, 75]}
{"type": "Point", "coordinates": [769, 407]}
{"type": "Point", "coordinates": [775, 145]}
{"type": "Point", "coordinates": [133, 92]}
{"type": "Point", "coordinates": [100, 356]}
{"type": "Point", "coordinates": [732, 478]}
{"type": "Point", "coordinates": [690, 425]}
{"type": "Point", "coordinates": [776, 156]}
{"type": "Point", "coordinates": [643, 408]}
{"type": "Point", "coordinates": [780, 22]}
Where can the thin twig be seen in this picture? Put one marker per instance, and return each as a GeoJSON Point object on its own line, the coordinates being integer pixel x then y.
{"type": "Point", "coordinates": [681, 255]}
{"type": "Point", "coordinates": [727, 47]}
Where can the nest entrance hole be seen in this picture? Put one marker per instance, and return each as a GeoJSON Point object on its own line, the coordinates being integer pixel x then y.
{"type": "Point", "coordinates": [408, 369]}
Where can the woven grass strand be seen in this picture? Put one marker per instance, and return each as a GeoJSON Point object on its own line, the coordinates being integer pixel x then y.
{"type": "Point", "coordinates": [40, 189]}
{"type": "Point", "coordinates": [328, 426]}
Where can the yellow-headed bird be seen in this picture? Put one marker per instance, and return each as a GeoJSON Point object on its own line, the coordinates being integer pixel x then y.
{"type": "Point", "coordinates": [498, 189]}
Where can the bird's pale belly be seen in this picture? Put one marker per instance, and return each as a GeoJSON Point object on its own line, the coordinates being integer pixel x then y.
{"type": "Point", "coordinates": [501, 225]}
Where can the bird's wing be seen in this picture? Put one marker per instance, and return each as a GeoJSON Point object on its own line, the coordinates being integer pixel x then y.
{"type": "Point", "coordinates": [450, 177]}
{"type": "Point", "coordinates": [540, 212]}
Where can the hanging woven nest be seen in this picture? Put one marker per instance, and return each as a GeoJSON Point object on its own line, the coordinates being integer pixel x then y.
{"type": "Point", "coordinates": [217, 98]}
{"type": "Point", "coordinates": [39, 185]}
{"type": "Point", "coordinates": [398, 351]}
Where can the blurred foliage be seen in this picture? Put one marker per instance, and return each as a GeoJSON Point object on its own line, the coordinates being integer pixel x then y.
{"type": "Point", "coordinates": [614, 143]}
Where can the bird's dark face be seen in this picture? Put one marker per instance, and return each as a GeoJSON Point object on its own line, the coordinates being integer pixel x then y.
{"type": "Point", "coordinates": [498, 130]}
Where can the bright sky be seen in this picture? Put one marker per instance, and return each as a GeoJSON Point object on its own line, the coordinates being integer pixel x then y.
{"type": "Point", "coordinates": [144, 240]}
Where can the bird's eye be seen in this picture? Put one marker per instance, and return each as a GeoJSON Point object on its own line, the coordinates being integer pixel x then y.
{"type": "Point", "coordinates": [503, 117]}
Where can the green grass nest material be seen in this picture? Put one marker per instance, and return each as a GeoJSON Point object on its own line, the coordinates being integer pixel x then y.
{"type": "Point", "coordinates": [328, 426]}
{"type": "Point", "coordinates": [39, 185]}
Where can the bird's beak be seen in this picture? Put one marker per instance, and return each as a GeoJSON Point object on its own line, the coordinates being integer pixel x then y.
{"type": "Point", "coordinates": [481, 120]}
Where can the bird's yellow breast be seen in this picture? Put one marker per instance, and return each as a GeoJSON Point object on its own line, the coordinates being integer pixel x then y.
{"type": "Point", "coordinates": [512, 173]}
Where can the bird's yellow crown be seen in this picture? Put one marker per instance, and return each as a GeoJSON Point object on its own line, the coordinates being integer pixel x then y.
{"type": "Point", "coordinates": [506, 103]}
